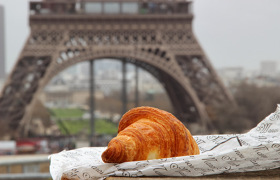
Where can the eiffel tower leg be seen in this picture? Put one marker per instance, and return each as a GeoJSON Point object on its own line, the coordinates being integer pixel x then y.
{"type": "Point", "coordinates": [25, 82]}
{"type": "Point", "coordinates": [20, 89]}
{"type": "Point", "coordinates": [183, 105]}
{"type": "Point", "coordinates": [186, 105]}
{"type": "Point", "coordinates": [205, 82]}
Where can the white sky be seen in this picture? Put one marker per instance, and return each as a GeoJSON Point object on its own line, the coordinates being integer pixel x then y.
{"type": "Point", "coordinates": [232, 32]}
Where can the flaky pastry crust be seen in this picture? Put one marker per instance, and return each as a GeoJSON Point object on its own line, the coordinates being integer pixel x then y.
{"type": "Point", "coordinates": [149, 133]}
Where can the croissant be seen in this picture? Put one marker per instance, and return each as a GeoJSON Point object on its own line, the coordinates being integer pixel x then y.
{"type": "Point", "coordinates": [149, 133]}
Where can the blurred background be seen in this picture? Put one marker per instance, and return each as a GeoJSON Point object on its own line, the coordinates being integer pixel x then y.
{"type": "Point", "coordinates": [239, 38]}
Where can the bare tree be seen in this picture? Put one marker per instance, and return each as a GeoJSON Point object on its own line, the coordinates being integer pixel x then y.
{"type": "Point", "coordinates": [253, 104]}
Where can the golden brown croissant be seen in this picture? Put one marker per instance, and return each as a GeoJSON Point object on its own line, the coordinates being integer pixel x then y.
{"type": "Point", "coordinates": [149, 133]}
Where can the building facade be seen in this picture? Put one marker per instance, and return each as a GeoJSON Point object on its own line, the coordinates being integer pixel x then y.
{"type": "Point", "coordinates": [2, 44]}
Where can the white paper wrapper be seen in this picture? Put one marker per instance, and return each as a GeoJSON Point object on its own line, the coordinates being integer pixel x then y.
{"type": "Point", "coordinates": [259, 149]}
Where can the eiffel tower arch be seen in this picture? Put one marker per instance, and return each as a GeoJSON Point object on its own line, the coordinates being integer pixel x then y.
{"type": "Point", "coordinates": [158, 38]}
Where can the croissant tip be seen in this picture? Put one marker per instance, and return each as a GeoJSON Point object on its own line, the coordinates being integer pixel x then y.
{"type": "Point", "coordinates": [107, 154]}
{"type": "Point", "coordinates": [111, 154]}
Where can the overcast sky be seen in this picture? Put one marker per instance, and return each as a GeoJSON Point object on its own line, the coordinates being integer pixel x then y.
{"type": "Point", "coordinates": [233, 33]}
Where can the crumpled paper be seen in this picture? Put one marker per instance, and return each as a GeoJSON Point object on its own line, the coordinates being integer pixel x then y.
{"type": "Point", "coordinates": [259, 149]}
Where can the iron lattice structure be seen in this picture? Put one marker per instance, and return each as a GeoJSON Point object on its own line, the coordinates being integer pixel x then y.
{"type": "Point", "coordinates": [157, 37]}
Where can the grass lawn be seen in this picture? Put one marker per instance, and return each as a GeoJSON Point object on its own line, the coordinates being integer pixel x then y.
{"type": "Point", "coordinates": [73, 127]}
{"type": "Point", "coordinates": [76, 126]}
{"type": "Point", "coordinates": [67, 113]}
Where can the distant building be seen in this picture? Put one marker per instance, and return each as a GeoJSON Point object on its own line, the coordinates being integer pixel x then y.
{"type": "Point", "coordinates": [268, 68]}
{"type": "Point", "coordinates": [83, 69]}
{"type": "Point", "coordinates": [231, 75]}
{"type": "Point", "coordinates": [1, 84]}
{"type": "Point", "coordinates": [67, 97]}
{"type": "Point", "coordinates": [2, 44]}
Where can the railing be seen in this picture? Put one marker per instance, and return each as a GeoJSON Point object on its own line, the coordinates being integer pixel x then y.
{"type": "Point", "coordinates": [110, 7]}
{"type": "Point", "coordinates": [29, 176]}
{"type": "Point", "coordinates": [24, 167]}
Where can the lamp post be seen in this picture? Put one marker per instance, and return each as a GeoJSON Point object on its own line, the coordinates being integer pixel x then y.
{"type": "Point", "coordinates": [92, 118]}
{"type": "Point", "coordinates": [124, 87]}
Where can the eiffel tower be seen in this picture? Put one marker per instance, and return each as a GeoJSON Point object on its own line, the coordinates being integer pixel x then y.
{"type": "Point", "coordinates": [155, 35]}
